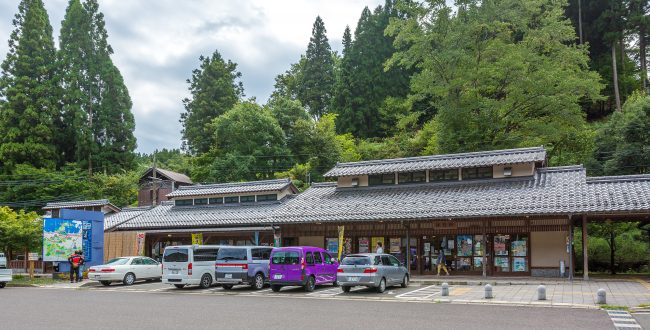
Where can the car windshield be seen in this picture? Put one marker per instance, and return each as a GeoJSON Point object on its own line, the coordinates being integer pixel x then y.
{"type": "Point", "coordinates": [231, 254]}
{"type": "Point", "coordinates": [285, 258]}
{"type": "Point", "coordinates": [356, 260]}
{"type": "Point", "coordinates": [175, 255]}
{"type": "Point", "coordinates": [118, 261]}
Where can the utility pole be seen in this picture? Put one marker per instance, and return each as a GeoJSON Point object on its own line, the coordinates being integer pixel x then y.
{"type": "Point", "coordinates": [580, 20]}
{"type": "Point", "coordinates": [155, 182]}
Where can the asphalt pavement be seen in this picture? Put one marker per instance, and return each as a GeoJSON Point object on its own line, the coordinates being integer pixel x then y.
{"type": "Point", "coordinates": [50, 308]}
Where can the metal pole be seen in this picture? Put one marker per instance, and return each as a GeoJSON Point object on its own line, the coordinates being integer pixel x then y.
{"type": "Point", "coordinates": [484, 247]}
{"type": "Point", "coordinates": [408, 249]}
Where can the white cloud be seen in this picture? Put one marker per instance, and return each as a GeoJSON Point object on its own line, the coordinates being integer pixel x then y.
{"type": "Point", "coordinates": [157, 44]}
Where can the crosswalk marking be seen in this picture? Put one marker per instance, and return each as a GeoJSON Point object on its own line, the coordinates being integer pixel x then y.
{"type": "Point", "coordinates": [623, 320]}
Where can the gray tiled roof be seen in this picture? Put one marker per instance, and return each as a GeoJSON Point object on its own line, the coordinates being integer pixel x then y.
{"type": "Point", "coordinates": [126, 214]}
{"type": "Point", "coordinates": [231, 188]}
{"type": "Point", "coordinates": [79, 204]}
{"type": "Point", "coordinates": [438, 162]}
{"type": "Point", "coordinates": [169, 216]}
{"type": "Point", "coordinates": [551, 191]}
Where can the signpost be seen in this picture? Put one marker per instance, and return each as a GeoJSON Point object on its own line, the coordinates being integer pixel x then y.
{"type": "Point", "coordinates": [31, 257]}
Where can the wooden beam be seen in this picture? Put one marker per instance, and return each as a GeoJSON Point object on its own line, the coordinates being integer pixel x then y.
{"type": "Point", "coordinates": [585, 256]}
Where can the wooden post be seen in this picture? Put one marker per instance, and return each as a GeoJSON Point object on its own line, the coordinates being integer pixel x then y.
{"type": "Point", "coordinates": [31, 269]}
{"type": "Point", "coordinates": [585, 257]}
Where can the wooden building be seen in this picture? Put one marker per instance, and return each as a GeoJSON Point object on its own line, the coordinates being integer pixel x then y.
{"type": "Point", "coordinates": [156, 184]}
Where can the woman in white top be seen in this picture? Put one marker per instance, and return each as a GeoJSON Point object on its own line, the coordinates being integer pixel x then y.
{"type": "Point", "coordinates": [379, 248]}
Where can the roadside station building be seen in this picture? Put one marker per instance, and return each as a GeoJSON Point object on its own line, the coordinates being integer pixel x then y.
{"type": "Point", "coordinates": [502, 212]}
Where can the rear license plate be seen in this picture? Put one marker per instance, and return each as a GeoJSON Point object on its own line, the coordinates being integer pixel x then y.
{"type": "Point", "coordinates": [228, 275]}
{"type": "Point", "coordinates": [174, 272]}
{"type": "Point", "coordinates": [98, 276]}
{"type": "Point", "coordinates": [353, 279]}
{"type": "Point", "coordinates": [277, 276]}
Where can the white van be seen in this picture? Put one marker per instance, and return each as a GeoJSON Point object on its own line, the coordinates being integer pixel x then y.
{"type": "Point", "coordinates": [189, 265]}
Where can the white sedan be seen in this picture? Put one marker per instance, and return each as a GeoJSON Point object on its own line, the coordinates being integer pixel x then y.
{"type": "Point", "coordinates": [126, 270]}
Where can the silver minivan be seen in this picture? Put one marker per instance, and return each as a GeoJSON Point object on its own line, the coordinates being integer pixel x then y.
{"type": "Point", "coordinates": [189, 265]}
{"type": "Point", "coordinates": [371, 270]}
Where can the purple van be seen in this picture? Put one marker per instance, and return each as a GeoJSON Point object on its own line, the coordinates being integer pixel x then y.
{"type": "Point", "coordinates": [304, 266]}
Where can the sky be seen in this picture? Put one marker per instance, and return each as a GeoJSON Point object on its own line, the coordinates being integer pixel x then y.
{"type": "Point", "coordinates": [157, 44]}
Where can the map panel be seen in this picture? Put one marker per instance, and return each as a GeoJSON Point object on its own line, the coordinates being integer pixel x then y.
{"type": "Point", "coordinates": [61, 238]}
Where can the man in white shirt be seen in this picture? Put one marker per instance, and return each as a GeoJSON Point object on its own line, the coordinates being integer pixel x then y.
{"type": "Point", "coordinates": [379, 249]}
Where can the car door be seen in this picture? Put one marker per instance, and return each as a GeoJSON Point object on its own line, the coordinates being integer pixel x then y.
{"type": "Point", "coordinates": [396, 270]}
{"type": "Point", "coordinates": [137, 268]}
{"type": "Point", "coordinates": [387, 270]}
{"type": "Point", "coordinates": [319, 268]}
{"type": "Point", "coordinates": [329, 266]}
{"type": "Point", "coordinates": [155, 271]}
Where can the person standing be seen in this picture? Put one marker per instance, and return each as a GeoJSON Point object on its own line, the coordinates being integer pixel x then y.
{"type": "Point", "coordinates": [442, 262]}
{"type": "Point", "coordinates": [75, 261]}
{"type": "Point", "coordinates": [379, 248]}
{"type": "Point", "coordinates": [80, 269]}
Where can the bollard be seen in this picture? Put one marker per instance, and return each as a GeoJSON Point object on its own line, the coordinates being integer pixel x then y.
{"type": "Point", "coordinates": [445, 289]}
{"type": "Point", "coordinates": [601, 296]}
{"type": "Point", "coordinates": [541, 292]}
{"type": "Point", "coordinates": [488, 291]}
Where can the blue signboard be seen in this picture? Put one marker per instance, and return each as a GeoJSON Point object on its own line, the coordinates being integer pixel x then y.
{"type": "Point", "coordinates": [87, 239]}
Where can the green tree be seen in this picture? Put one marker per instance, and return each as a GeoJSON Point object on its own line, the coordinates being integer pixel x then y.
{"type": "Point", "coordinates": [214, 90]}
{"type": "Point", "coordinates": [316, 82]}
{"type": "Point", "coordinates": [97, 105]}
{"type": "Point", "coordinates": [249, 144]}
{"type": "Point", "coordinates": [500, 74]}
{"type": "Point", "coordinates": [19, 231]}
{"type": "Point", "coordinates": [28, 91]}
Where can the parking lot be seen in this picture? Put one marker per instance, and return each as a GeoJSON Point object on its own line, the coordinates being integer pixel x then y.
{"type": "Point", "coordinates": [413, 292]}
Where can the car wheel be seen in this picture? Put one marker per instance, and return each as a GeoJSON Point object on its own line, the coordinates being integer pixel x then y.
{"type": "Point", "coordinates": [382, 286]}
{"type": "Point", "coordinates": [2, 285]}
{"type": "Point", "coordinates": [405, 281]}
{"type": "Point", "coordinates": [346, 288]}
{"type": "Point", "coordinates": [227, 286]}
{"type": "Point", "coordinates": [311, 284]}
{"type": "Point", "coordinates": [105, 283]}
{"type": "Point", "coordinates": [179, 286]}
{"type": "Point", "coordinates": [206, 281]}
{"type": "Point", "coordinates": [276, 288]}
{"type": "Point", "coordinates": [258, 283]}
{"type": "Point", "coordinates": [129, 279]}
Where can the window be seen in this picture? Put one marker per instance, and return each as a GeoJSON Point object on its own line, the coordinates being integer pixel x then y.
{"type": "Point", "coordinates": [216, 200]}
{"type": "Point", "coordinates": [477, 173]}
{"type": "Point", "coordinates": [183, 202]}
{"type": "Point", "coordinates": [175, 255]}
{"type": "Point", "coordinates": [205, 254]}
{"type": "Point", "coordinates": [232, 254]}
{"type": "Point", "coordinates": [245, 199]}
{"type": "Point", "coordinates": [270, 197]}
{"type": "Point", "coordinates": [328, 258]}
{"type": "Point", "coordinates": [412, 177]}
{"type": "Point", "coordinates": [261, 253]}
{"type": "Point", "coordinates": [117, 261]}
{"type": "Point", "coordinates": [201, 201]}
{"type": "Point", "coordinates": [317, 258]}
{"type": "Point", "coordinates": [231, 199]}
{"type": "Point", "coordinates": [285, 258]}
{"type": "Point", "coordinates": [443, 175]}
{"type": "Point", "coordinates": [309, 258]}
{"type": "Point", "coordinates": [385, 260]}
{"type": "Point", "coordinates": [379, 179]}
{"type": "Point", "coordinates": [393, 261]}
{"type": "Point", "coordinates": [137, 261]}
{"type": "Point", "coordinates": [356, 260]}
{"type": "Point", "coordinates": [149, 261]}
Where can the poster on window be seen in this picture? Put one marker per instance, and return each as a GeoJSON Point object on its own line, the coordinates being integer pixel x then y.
{"type": "Point", "coordinates": [500, 245]}
{"type": "Point", "coordinates": [347, 246]}
{"type": "Point", "coordinates": [364, 245]}
{"type": "Point", "coordinates": [333, 245]}
{"type": "Point", "coordinates": [376, 240]}
{"type": "Point", "coordinates": [518, 248]}
{"type": "Point", "coordinates": [395, 245]}
{"type": "Point", "coordinates": [501, 263]}
{"type": "Point", "coordinates": [478, 262]}
{"type": "Point", "coordinates": [478, 245]}
{"type": "Point", "coordinates": [464, 243]}
{"type": "Point", "coordinates": [519, 265]}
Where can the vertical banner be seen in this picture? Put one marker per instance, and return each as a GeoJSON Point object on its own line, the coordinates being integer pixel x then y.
{"type": "Point", "coordinates": [197, 239]}
{"type": "Point", "coordinates": [87, 240]}
{"type": "Point", "coordinates": [277, 239]}
{"type": "Point", "coordinates": [341, 229]}
{"type": "Point", "coordinates": [139, 243]}
{"type": "Point", "coordinates": [374, 241]}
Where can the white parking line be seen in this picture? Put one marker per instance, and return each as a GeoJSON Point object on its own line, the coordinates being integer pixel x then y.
{"type": "Point", "coordinates": [421, 294]}
{"type": "Point", "coordinates": [263, 291]}
{"type": "Point", "coordinates": [326, 293]}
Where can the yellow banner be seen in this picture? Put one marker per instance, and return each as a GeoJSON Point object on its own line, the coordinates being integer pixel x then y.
{"type": "Point", "coordinates": [197, 239]}
{"type": "Point", "coordinates": [341, 229]}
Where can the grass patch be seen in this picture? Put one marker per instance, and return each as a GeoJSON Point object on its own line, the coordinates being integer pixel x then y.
{"type": "Point", "coordinates": [615, 307]}
{"type": "Point", "coordinates": [644, 305]}
{"type": "Point", "coordinates": [25, 280]}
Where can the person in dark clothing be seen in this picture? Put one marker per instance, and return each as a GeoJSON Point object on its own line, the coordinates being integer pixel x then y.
{"type": "Point", "coordinates": [75, 260]}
